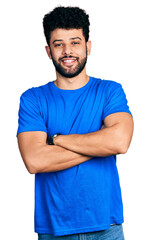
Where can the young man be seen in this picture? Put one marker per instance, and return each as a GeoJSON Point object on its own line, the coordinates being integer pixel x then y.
{"type": "Point", "coordinates": [70, 131]}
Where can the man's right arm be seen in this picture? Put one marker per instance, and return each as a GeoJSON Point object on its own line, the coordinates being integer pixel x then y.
{"type": "Point", "coordinates": [40, 157]}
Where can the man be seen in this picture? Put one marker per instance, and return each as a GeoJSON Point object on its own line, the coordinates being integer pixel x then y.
{"type": "Point", "coordinates": [70, 131]}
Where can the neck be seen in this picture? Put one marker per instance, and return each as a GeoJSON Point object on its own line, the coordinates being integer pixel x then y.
{"type": "Point", "coordinates": [72, 83]}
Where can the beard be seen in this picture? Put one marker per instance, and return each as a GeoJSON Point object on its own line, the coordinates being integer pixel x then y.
{"type": "Point", "coordinates": [70, 73]}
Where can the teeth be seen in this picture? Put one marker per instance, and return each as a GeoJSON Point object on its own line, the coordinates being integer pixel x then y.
{"type": "Point", "coordinates": [68, 61]}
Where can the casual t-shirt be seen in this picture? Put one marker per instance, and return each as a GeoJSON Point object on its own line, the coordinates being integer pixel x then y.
{"type": "Point", "coordinates": [87, 197]}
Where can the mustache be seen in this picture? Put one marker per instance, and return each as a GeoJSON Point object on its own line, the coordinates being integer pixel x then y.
{"type": "Point", "coordinates": [68, 57]}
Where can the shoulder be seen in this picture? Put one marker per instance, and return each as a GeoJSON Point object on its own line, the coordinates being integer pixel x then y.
{"type": "Point", "coordinates": [106, 85]}
{"type": "Point", "coordinates": [104, 81]}
{"type": "Point", "coordinates": [36, 92]}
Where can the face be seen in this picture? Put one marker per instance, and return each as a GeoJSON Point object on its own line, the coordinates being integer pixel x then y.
{"type": "Point", "coordinates": [68, 51]}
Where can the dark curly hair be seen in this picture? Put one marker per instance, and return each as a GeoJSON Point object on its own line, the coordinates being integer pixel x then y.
{"type": "Point", "coordinates": [66, 18]}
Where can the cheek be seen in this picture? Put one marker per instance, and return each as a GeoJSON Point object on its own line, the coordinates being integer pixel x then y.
{"type": "Point", "coordinates": [81, 52]}
{"type": "Point", "coordinates": [55, 55]}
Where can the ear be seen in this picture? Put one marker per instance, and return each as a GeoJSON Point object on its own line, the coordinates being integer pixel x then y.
{"type": "Point", "coordinates": [89, 45]}
{"type": "Point", "coordinates": [47, 48]}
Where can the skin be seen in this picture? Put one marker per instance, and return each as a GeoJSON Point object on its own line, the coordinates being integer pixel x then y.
{"type": "Point", "coordinates": [71, 150]}
{"type": "Point", "coordinates": [64, 43]}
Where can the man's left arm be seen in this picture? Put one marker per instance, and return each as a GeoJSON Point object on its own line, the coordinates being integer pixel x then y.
{"type": "Point", "coordinates": [113, 139]}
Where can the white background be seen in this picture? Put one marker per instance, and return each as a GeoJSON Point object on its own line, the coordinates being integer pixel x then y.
{"type": "Point", "coordinates": [120, 52]}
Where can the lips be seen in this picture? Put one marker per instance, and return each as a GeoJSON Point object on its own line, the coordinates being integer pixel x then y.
{"type": "Point", "coordinates": [68, 61]}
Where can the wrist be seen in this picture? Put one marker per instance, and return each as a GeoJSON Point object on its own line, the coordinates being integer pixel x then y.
{"type": "Point", "coordinates": [55, 138]}
{"type": "Point", "coordinates": [51, 139]}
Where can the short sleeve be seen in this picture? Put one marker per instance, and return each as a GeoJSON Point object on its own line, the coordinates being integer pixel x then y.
{"type": "Point", "coordinates": [30, 118]}
{"type": "Point", "coordinates": [115, 100]}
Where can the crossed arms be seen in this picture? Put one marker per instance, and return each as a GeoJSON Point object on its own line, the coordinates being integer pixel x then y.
{"type": "Point", "coordinates": [71, 150]}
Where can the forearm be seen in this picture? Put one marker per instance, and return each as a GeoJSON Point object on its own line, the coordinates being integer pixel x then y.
{"type": "Point", "coordinates": [93, 144]}
{"type": "Point", "coordinates": [44, 158]}
{"type": "Point", "coordinates": [106, 142]}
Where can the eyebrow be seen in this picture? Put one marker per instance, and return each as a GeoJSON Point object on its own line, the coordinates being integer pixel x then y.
{"type": "Point", "coordinates": [61, 40]}
{"type": "Point", "coordinates": [57, 40]}
{"type": "Point", "coordinates": [76, 38]}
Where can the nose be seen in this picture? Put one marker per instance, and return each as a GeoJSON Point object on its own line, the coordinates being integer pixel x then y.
{"type": "Point", "coordinates": [67, 49]}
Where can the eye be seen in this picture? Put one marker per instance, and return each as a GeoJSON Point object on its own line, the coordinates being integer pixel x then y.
{"type": "Point", "coordinates": [58, 45]}
{"type": "Point", "coordinates": [75, 43]}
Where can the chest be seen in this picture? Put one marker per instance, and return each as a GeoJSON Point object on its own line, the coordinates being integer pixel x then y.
{"type": "Point", "coordinates": [73, 113]}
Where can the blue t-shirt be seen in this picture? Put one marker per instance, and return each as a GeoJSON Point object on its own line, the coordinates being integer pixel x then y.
{"type": "Point", "coordinates": [87, 197]}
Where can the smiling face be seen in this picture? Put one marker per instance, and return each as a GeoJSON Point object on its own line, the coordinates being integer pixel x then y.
{"type": "Point", "coordinates": [68, 51]}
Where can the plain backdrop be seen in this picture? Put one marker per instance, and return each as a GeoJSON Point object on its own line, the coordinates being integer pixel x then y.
{"type": "Point", "coordinates": [120, 52]}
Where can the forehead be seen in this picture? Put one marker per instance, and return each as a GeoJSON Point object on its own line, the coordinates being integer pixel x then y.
{"type": "Point", "coordinates": [66, 34]}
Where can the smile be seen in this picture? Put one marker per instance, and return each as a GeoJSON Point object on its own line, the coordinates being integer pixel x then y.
{"type": "Point", "coordinates": [68, 61]}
